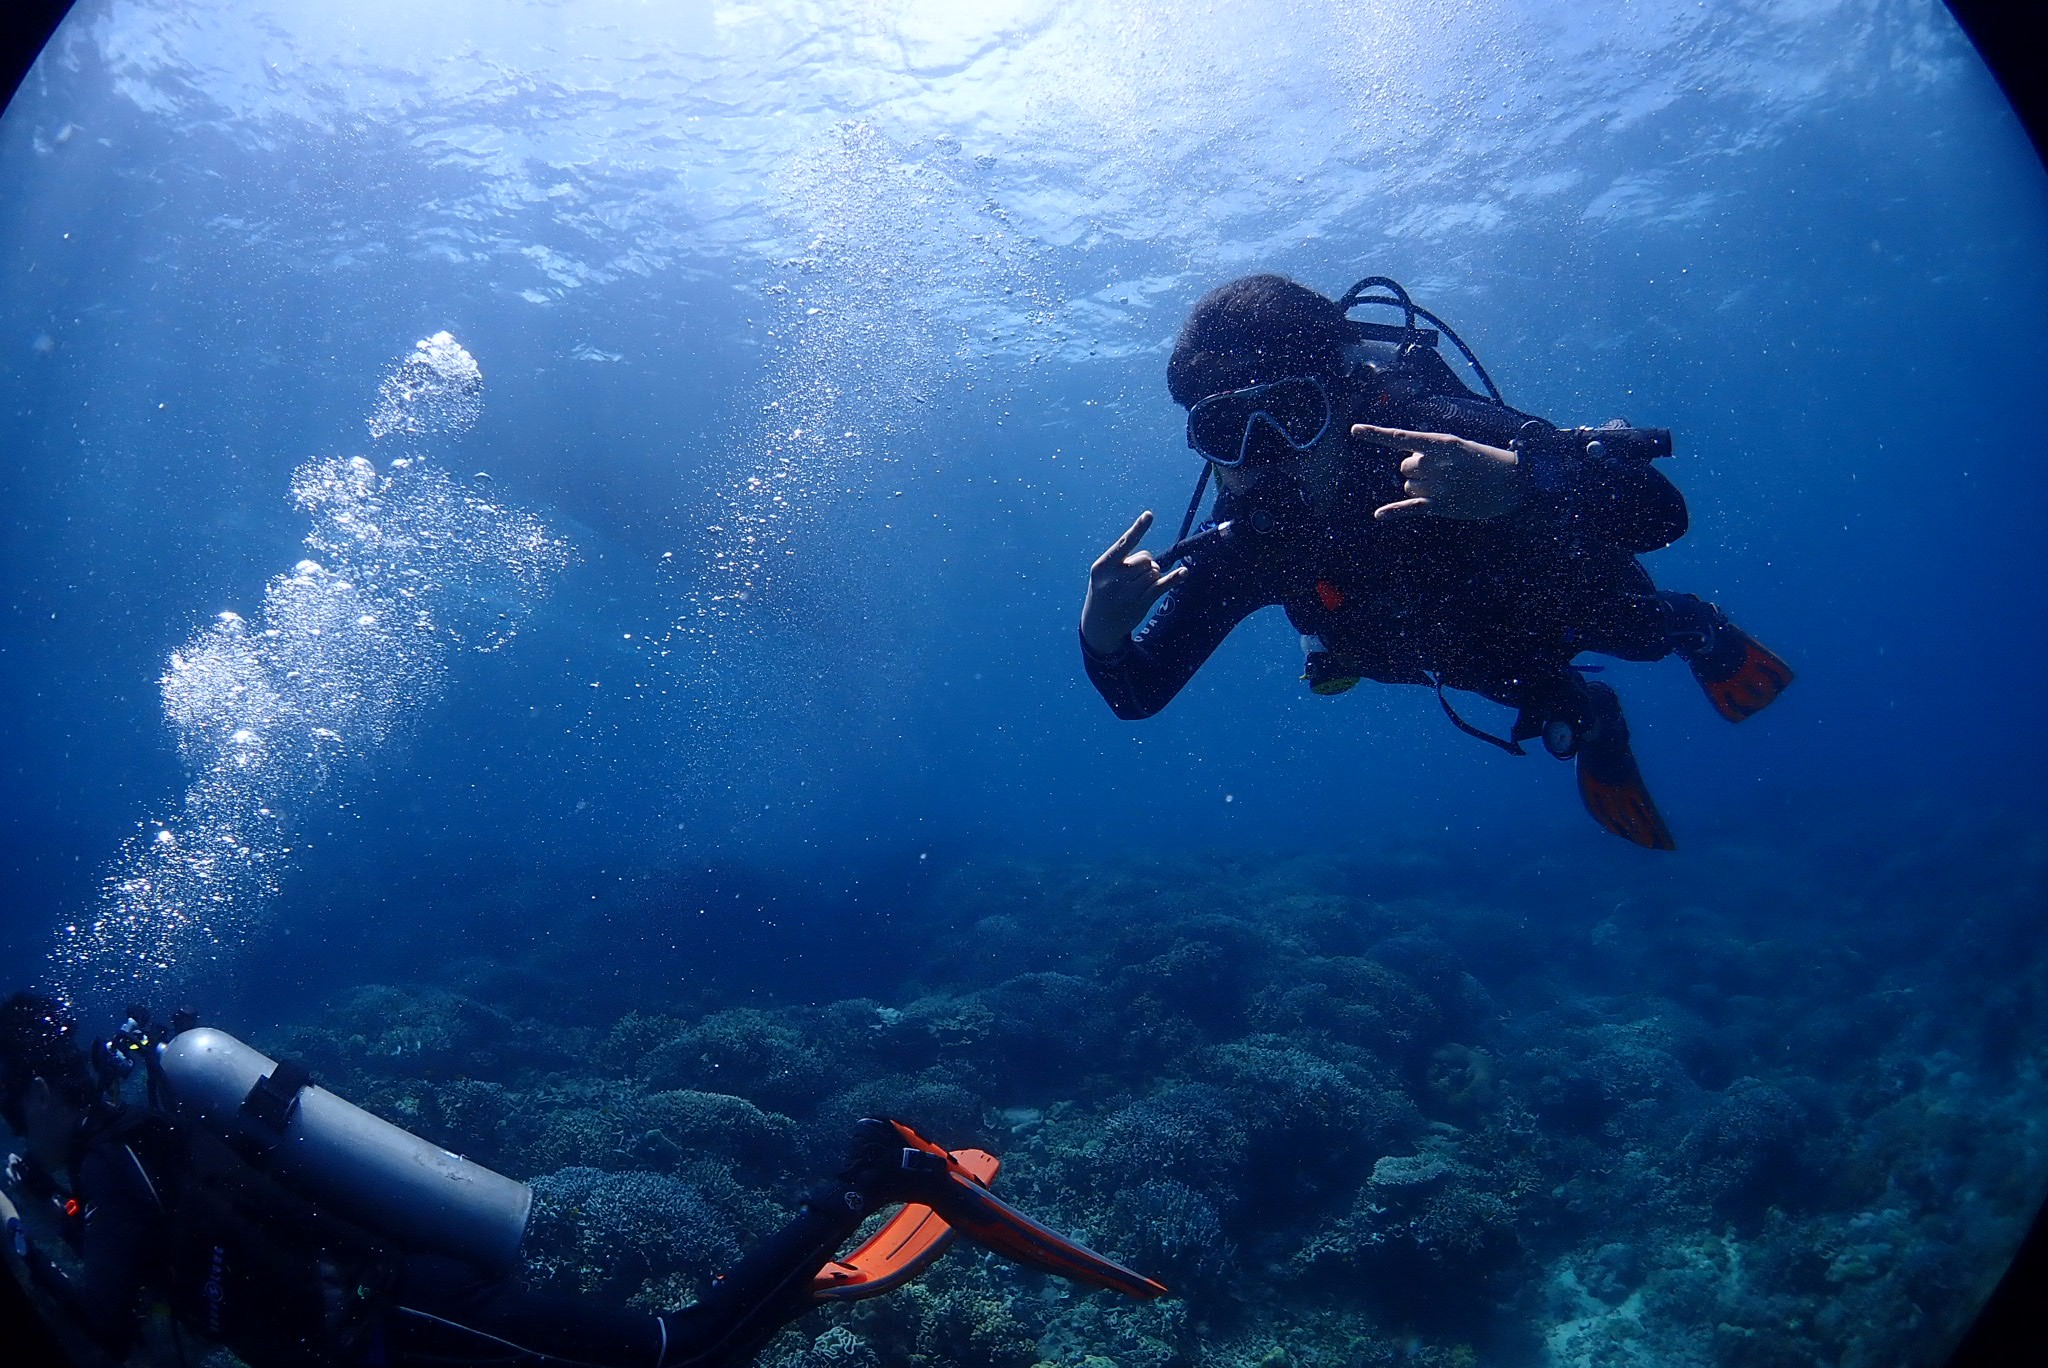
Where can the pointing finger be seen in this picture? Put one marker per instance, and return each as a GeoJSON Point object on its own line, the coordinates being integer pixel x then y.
{"type": "Point", "coordinates": [1134, 533]}
{"type": "Point", "coordinates": [1403, 437]}
{"type": "Point", "coordinates": [1406, 508]}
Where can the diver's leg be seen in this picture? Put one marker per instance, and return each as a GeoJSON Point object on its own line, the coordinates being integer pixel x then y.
{"type": "Point", "coordinates": [446, 1313]}
{"type": "Point", "coordinates": [768, 1288]}
{"type": "Point", "coordinates": [1618, 611]}
{"type": "Point", "coordinates": [1621, 612]}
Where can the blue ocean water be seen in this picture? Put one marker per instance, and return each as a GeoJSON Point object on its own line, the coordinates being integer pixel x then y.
{"type": "Point", "coordinates": [715, 648]}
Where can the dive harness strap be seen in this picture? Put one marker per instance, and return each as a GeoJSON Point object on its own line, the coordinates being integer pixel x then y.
{"type": "Point", "coordinates": [1437, 681]}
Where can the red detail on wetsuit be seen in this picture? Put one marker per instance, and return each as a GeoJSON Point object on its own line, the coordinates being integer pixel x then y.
{"type": "Point", "coordinates": [1329, 595]}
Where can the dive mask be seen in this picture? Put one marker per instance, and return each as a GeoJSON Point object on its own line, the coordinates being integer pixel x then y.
{"type": "Point", "coordinates": [1297, 410]}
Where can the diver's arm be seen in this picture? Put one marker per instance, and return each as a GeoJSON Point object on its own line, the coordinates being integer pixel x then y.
{"type": "Point", "coordinates": [1449, 476]}
{"type": "Point", "coordinates": [1150, 666]}
{"type": "Point", "coordinates": [1621, 500]}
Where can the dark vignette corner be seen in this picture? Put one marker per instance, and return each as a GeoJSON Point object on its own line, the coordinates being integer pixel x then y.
{"type": "Point", "coordinates": [2011, 36]}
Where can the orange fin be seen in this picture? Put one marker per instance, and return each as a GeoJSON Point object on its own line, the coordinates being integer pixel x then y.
{"type": "Point", "coordinates": [1624, 807]}
{"type": "Point", "coordinates": [972, 1210]}
{"type": "Point", "coordinates": [1754, 686]}
{"type": "Point", "coordinates": [988, 1220]}
{"type": "Point", "coordinates": [907, 1244]}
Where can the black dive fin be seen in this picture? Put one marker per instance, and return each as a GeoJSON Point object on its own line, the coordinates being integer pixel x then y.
{"type": "Point", "coordinates": [1610, 783]}
{"type": "Point", "coordinates": [1743, 677]}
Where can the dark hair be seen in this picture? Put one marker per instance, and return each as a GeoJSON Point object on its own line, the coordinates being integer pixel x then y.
{"type": "Point", "coordinates": [1260, 328]}
{"type": "Point", "coordinates": [39, 1039]}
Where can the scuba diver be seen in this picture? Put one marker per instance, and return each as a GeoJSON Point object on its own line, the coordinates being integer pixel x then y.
{"type": "Point", "coordinates": [1415, 531]}
{"type": "Point", "coordinates": [274, 1218]}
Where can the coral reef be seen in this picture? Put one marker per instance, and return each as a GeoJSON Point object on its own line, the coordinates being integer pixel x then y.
{"type": "Point", "coordinates": [1353, 1115]}
{"type": "Point", "coordinates": [594, 1231]}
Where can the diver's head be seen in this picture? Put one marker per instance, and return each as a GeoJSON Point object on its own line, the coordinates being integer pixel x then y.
{"type": "Point", "coordinates": [47, 1088]}
{"type": "Point", "coordinates": [1260, 366]}
{"type": "Point", "coordinates": [1254, 331]}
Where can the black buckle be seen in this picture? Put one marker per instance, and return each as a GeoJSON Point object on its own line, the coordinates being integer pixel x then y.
{"type": "Point", "coordinates": [922, 1161]}
{"type": "Point", "coordinates": [270, 1102]}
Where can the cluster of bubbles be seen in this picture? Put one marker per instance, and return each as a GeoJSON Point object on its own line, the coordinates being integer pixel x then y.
{"type": "Point", "coordinates": [436, 391]}
{"type": "Point", "coordinates": [876, 317]}
{"type": "Point", "coordinates": [407, 566]}
{"type": "Point", "coordinates": [901, 274]}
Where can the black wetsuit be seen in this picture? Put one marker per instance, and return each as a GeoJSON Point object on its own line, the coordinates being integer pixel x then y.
{"type": "Point", "coordinates": [1499, 607]}
{"type": "Point", "coordinates": [425, 1309]}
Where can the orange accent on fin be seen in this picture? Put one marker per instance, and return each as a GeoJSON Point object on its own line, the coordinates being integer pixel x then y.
{"type": "Point", "coordinates": [1329, 595]}
{"type": "Point", "coordinates": [1754, 686]}
{"type": "Point", "coordinates": [908, 1243]}
{"type": "Point", "coordinates": [1626, 810]}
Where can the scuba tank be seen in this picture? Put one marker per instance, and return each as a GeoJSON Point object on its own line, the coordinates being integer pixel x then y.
{"type": "Point", "coordinates": [364, 1169]}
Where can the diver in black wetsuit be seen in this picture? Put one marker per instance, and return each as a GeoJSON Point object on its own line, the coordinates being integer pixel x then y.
{"type": "Point", "coordinates": [1416, 532]}
{"type": "Point", "coordinates": [151, 1201]}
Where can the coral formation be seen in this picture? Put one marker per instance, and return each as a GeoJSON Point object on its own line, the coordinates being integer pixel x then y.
{"type": "Point", "coordinates": [1409, 1127]}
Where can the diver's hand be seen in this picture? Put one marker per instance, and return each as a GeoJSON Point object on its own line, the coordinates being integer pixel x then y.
{"type": "Point", "coordinates": [1449, 476]}
{"type": "Point", "coordinates": [1123, 584]}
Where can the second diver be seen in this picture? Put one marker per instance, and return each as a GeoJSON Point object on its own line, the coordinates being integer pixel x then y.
{"type": "Point", "coordinates": [1416, 532]}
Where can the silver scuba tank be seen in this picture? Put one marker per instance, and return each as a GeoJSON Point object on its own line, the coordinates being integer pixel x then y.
{"type": "Point", "coordinates": [361, 1168]}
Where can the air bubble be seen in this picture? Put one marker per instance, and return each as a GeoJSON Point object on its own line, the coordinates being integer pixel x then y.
{"type": "Point", "coordinates": [264, 715]}
{"type": "Point", "coordinates": [436, 391]}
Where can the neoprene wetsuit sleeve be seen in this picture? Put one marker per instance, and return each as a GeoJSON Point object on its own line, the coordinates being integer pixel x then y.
{"type": "Point", "coordinates": [1221, 590]}
{"type": "Point", "coordinates": [1626, 503]}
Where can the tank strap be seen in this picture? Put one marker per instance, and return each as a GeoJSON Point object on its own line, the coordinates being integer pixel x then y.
{"type": "Point", "coordinates": [270, 1102]}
